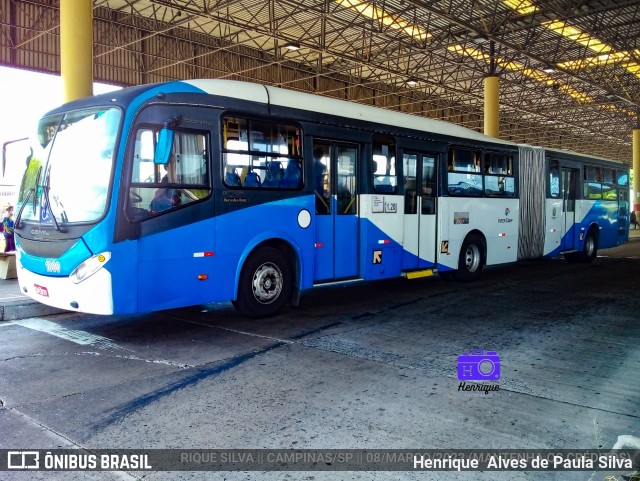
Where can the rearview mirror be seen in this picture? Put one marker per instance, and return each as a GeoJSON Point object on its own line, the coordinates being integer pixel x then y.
{"type": "Point", "coordinates": [162, 155]}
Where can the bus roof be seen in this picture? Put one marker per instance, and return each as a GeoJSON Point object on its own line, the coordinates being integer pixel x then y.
{"type": "Point", "coordinates": [584, 157]}
{"type": "Point", "coordinates": [330, 106]}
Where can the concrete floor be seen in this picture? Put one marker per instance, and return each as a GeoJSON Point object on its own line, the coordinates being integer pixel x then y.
{"type": "Point", "coordinates": [361, 366]}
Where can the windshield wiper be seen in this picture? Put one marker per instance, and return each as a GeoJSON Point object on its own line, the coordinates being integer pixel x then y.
{"type": "Point", "coordinates": [24, 204]}
{"type": "Point", "coordinates": [63, 214]}
{"type": "Point", "coordinates": [46, 188]}
{"type": "Point", "coordinates": [32, 191]}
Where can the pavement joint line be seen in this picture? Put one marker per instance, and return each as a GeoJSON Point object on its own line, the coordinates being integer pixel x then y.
{"type": "Point", "coordinates": [271, 338]}
{"type": "Point", "coordinates": [123, 474]}
{"type": "Point", "coordinates": [237, 331]}
{"type": "Point", "coordinates": [137, 358]}
{"type": "Point", "coordinates": [44, 426]}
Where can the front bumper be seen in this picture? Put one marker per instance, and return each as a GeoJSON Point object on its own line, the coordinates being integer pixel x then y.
{"type": "Point", "coordinates": [94, 295]}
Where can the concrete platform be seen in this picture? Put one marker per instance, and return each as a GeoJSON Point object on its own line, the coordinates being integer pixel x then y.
{"type": "Point", "coordinates": [8, 266]}
{"type": "Point", "coordinates": [15, 305]}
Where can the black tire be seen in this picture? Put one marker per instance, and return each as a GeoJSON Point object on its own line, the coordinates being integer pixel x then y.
{"type": "Point", "coordinates": [471, 260]}
{"type": "Point", "coordinates": [265, 285]}
{"type": "Point", "coordinates": [590, 248]}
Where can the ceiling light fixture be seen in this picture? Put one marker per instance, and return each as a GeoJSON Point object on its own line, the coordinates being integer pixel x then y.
{"type": "Point", "coordinates": [573, 33]}
{"type": "Point", "coordinates": [534, 74]}
{"type": "Point", "coordinates": [292, 46]}
{"type": "Point", "coordinates": [370, 10]}
{"type": "Point", "coordinates": [523, 7]}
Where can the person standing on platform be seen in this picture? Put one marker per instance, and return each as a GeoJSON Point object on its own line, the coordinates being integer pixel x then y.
{"type": "Point", "coordinates": [7, 230]}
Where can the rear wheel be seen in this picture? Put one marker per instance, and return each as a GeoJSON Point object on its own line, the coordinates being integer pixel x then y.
{"type": "Point", "coordinates": [471, 260]}
{"type": "Point", "coordinates": [266, 282]}
{"type": "Point", "coordinates": [590, 248]}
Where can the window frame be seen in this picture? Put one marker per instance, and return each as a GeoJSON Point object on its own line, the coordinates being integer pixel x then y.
{"type": "Point", "coordinates": [251, 154]}
{"type": "Point", "coordinates": [134, 213]}
{"type": "Point", "coordinates": [501, 177]}
{"type": "Point", "coordinates": [392, 164]}
{"type": "Point", "coordinates": [453, 169]}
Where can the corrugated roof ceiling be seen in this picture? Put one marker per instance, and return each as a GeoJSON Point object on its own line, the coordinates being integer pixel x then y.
{"type": "Point", "coordinates": [569, 70]}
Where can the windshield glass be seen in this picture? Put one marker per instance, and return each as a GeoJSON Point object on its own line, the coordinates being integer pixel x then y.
{"type": "Point", "coordinates": [68, 172]}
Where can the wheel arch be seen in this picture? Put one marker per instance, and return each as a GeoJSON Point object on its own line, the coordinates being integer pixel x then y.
{"type": "Point", "coordinates": [595, 228]}
{"type": "Point", "coordinates": [290, 250]}
{"type": "Point", "coordinates": [480, 234]}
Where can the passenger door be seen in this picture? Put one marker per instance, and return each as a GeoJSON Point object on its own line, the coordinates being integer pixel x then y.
{"type": "Point", "coordinates": [569, 195]}
{"type": "Point", "coordinates": [419, 237]}
{"type": "Point", "coordinates": [335, 187]}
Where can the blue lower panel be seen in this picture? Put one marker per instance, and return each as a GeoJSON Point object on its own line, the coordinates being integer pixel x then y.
{"type": "Point", "coordinates": [382, 262]}
{"type": "Point", "coordinates": [346, 247]}
{"type": "Point", "coordinates": [324, 247]}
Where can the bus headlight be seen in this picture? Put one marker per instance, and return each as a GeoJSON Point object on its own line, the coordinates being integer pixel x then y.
{"type": "Point", "coordinates": [89, 267]}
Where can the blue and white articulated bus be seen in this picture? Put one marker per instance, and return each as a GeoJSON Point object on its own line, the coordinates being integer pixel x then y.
{"type": "Point", "coordinates": [190, 192]}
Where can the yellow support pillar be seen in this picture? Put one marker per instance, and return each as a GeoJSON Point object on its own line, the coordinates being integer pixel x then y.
{"type": "Point", "coordinates": [636, 169]}
{"type": "Point", "coordinates": [76, 48]}
{"type": "Point", "coordinates": [492, 106]}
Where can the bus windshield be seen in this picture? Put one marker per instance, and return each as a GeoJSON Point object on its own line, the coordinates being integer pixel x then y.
{"type": "Point", "coordinates": [69, 171]}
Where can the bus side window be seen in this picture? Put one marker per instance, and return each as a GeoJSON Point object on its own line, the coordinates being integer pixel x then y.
{"type": "Point", "coordinates": [428, 184]}
{"type": "Point", "coordinates": [498, 175]}
{"type": "Point", "coordinates": [554, 179]}
{"type": "Point", "coordinates": [322, 178]}
{"type": "Point", "coordinates": [464, 177]}
{"type": "Point", "coordinates": [155, 189]}
{"type": "Point", "coordinates": [410, 188]}
{"type": "Point", "coordinates": [592, 182]}
{"type": "Point", "coordinates": [623, 177]}
{"type": "Point", "coordinates": [383, 165]}
{"type": "Point", "coordinates": [260, 154]}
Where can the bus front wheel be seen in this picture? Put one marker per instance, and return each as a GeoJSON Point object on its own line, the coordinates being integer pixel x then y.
{"type": "Point", "coordinates": [471, 260]}
{"type": "Point", "coordinates": [266, 283]}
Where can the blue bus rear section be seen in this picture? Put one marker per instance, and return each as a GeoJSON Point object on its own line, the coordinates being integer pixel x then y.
{"type": "Point", "coordinates": [601, 217]}
{"type": "Point", "coordinates": [246, 210]}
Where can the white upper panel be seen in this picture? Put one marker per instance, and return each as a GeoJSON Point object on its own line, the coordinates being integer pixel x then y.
{"type": "Point", "coordinates": [342, 108]}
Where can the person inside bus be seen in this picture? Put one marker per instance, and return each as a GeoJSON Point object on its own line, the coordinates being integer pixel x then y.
{"type": "Point", "coordinates": [321, 182]}
{"type": "Point", "coordinates": [345, 199]}
{"type": "Point", "coordinates": [292, 175]}
{"type": "Point", "coordinates": [166, 198]}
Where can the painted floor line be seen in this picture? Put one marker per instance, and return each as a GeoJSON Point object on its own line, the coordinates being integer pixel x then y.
{"type": "Point", "coordinates": [76, 336]}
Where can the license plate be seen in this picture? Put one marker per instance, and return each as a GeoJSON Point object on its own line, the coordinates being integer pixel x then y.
{"type": "Point", "coordinates": [43, 291]}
